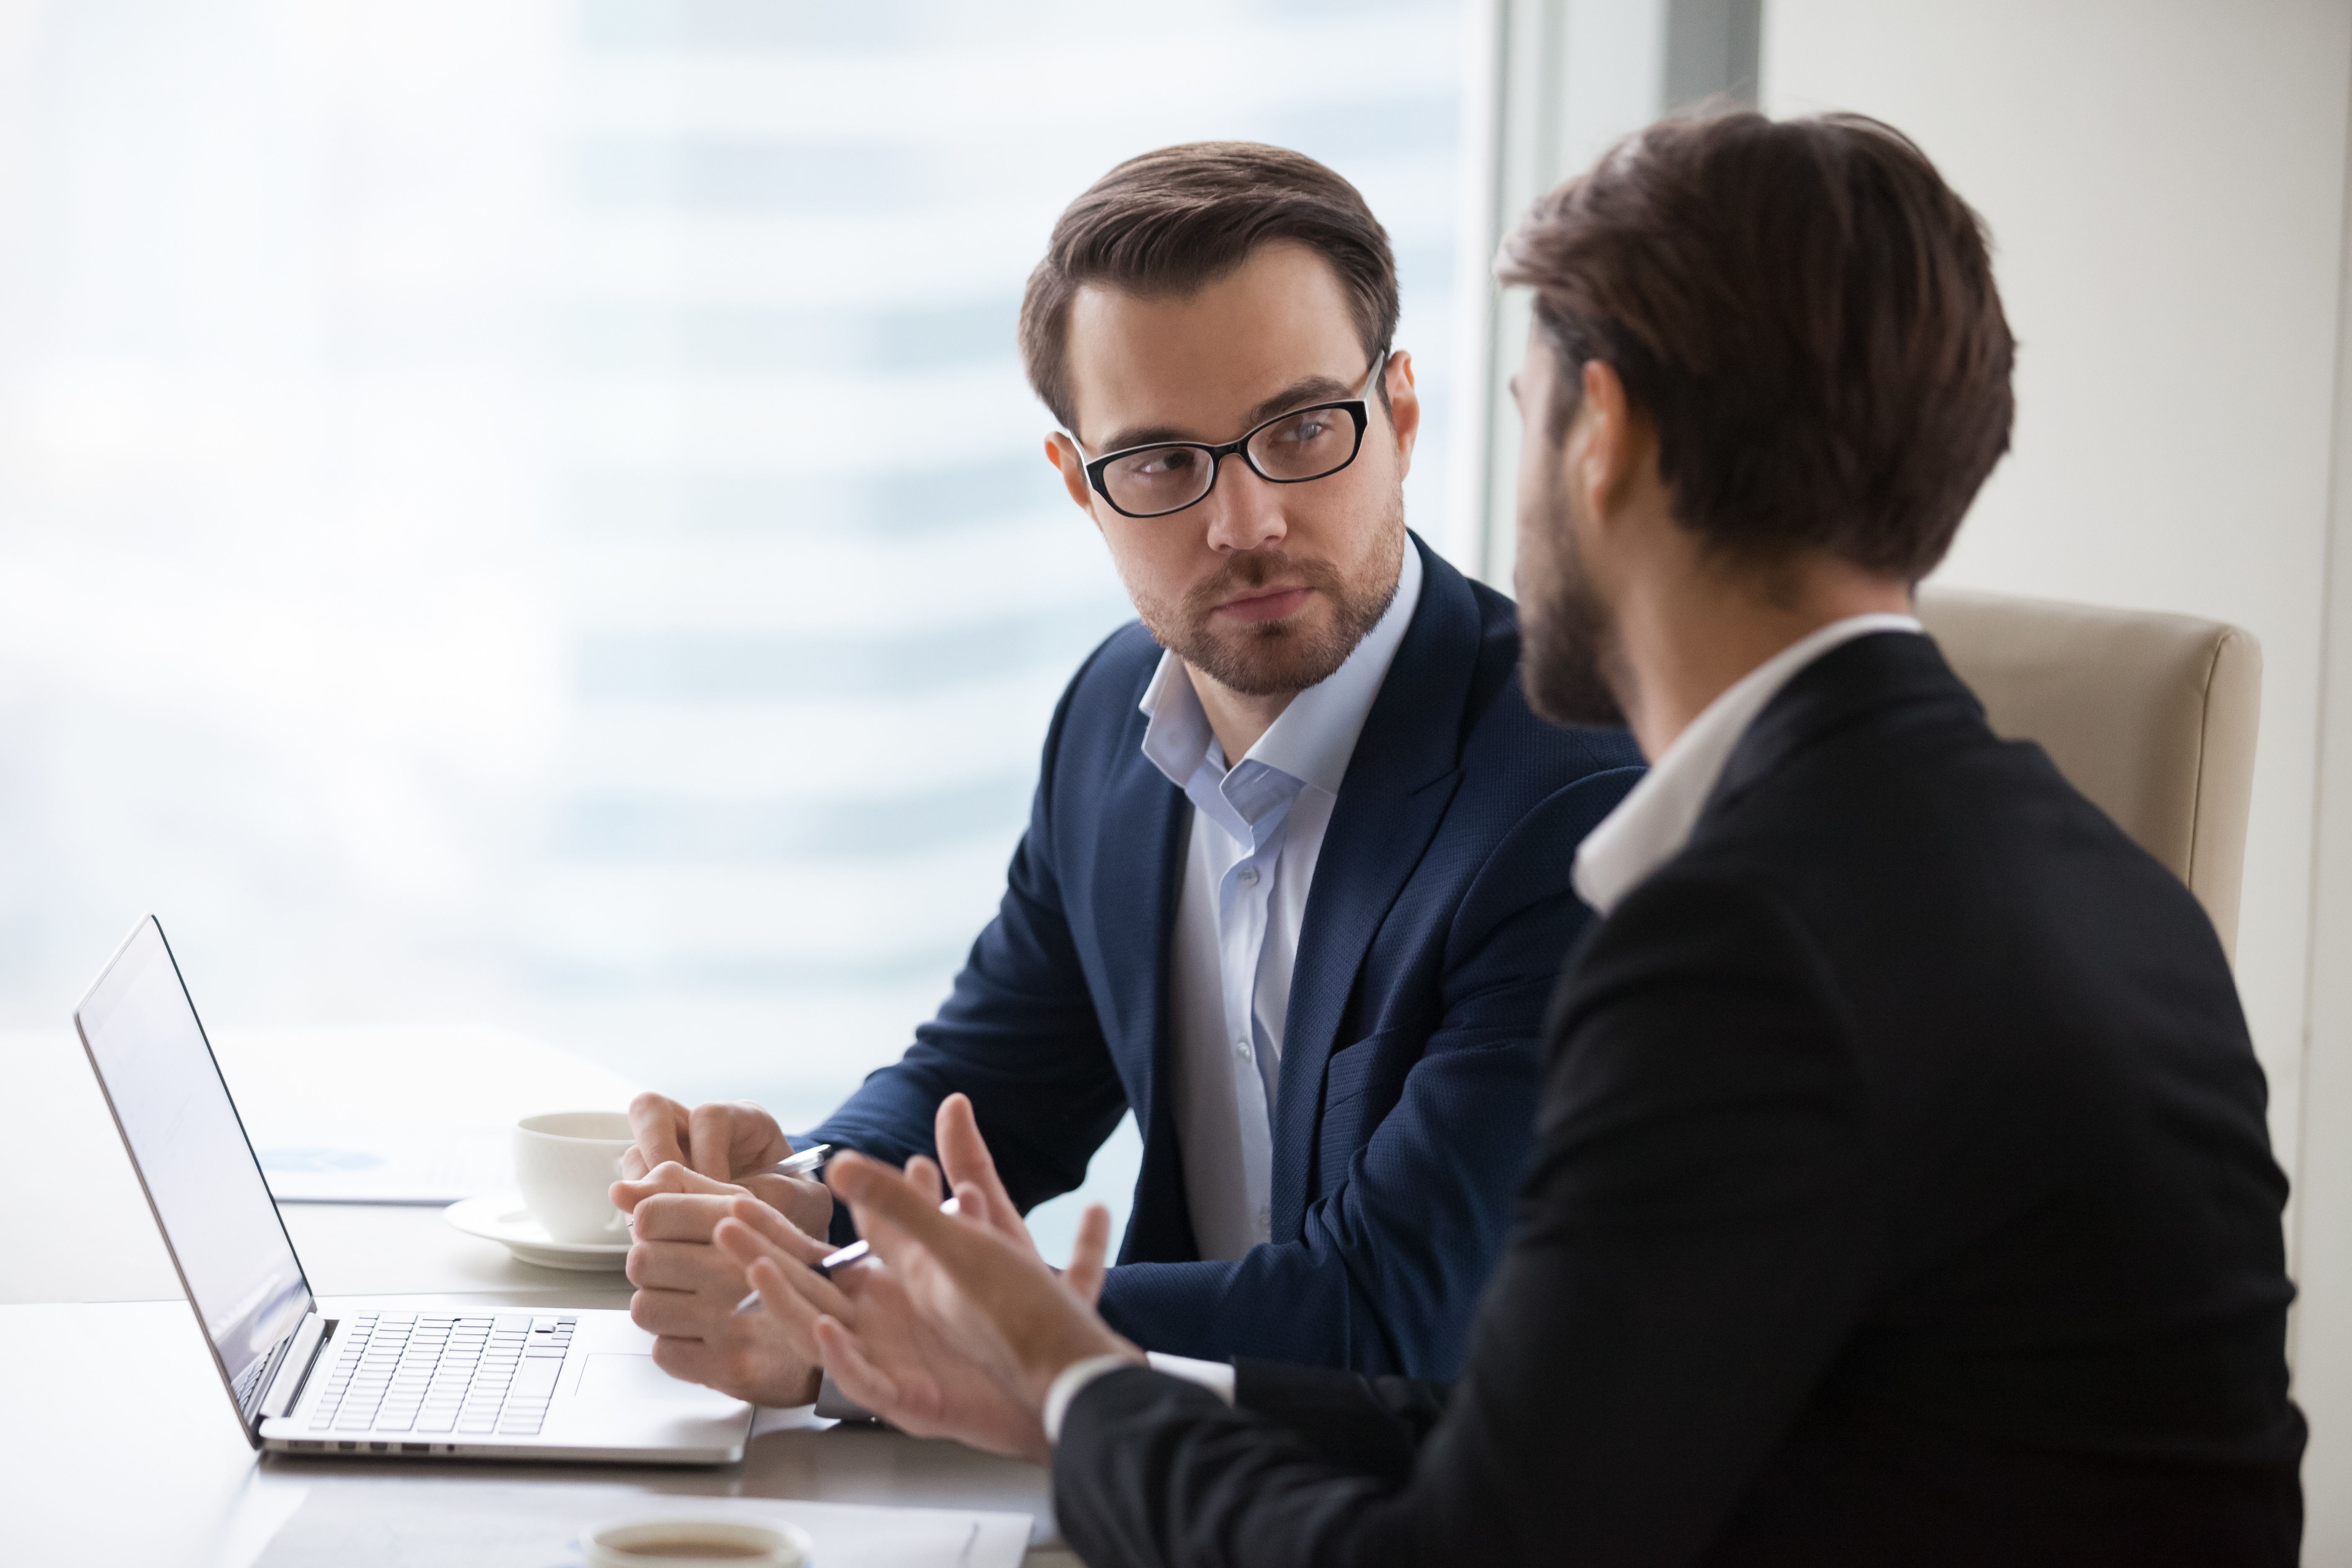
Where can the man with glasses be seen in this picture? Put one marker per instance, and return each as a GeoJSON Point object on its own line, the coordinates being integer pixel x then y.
{"type": "Point", "coordinates": [1295, 886]}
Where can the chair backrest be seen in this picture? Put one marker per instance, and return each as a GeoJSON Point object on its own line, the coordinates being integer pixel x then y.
{"type": "Point", "coordinates": [2153, 716]}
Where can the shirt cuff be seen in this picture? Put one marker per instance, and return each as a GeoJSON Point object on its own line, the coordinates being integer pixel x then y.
{"type": "Point", "coordinates": [1217, 1377]}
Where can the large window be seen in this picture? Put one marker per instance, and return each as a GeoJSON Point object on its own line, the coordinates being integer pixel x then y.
{"type": "Point", "coordinates": [531, 513]}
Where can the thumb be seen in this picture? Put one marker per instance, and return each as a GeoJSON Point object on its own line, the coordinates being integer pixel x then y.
{"type": "Point", "coordinates": [669, 1176]}
{"type": "Point", "coordinates": [1084, 1274]}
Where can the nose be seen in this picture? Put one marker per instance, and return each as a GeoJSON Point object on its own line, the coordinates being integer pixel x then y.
{"type": "Point", "coordinates": [1243, 512]}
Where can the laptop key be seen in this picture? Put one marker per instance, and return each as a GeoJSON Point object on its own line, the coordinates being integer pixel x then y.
{"type": "Point", "coordinates": [537, 1379]}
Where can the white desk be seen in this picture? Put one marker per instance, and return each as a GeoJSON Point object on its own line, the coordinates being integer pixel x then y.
{"type": "Point", "coordinates": [115, 1432]}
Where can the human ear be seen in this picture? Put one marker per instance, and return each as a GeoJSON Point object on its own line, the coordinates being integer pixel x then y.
{"type": "Point", "coordinates": [1063, 453]}
{"type": "Point", "coordinates": [1605, 462]}
{"type": "Point", "coordinates": [1404, 407]}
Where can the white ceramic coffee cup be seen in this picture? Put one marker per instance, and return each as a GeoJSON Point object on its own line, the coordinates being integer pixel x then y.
{"type": "Point", "coordinates": [566, 1163]}
{"type": "Point", "coordinates": [684, 1541]}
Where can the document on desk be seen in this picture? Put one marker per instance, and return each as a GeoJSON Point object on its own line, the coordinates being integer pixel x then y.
{"type": "Point", "coordinates": [398, 1115]}
{"type": "Point", "coordinates": [361, 1164]}
{"type": "Point", "coordinates": [384, 1521]}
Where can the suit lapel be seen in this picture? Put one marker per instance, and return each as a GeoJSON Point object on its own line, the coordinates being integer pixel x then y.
{"type": "Point", "coordinates": [1145, 822]}
{"type": "Point", "coordinates": [1399, 782]}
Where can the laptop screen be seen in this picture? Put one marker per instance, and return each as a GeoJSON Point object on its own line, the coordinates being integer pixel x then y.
{"type": "Point", "coordinates": [184, 1137]}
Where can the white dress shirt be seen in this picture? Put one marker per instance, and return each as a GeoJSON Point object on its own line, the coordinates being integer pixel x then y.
{"type": "Point", "coordinates": [1257, 831]}
{"type": "Point", "coordinates": [1654, 820]}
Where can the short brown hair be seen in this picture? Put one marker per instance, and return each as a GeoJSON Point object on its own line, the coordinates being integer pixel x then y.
{"type": "Point", "coordinates": [1804, 311]}
{"type": "Point", "coordinates": [1169, 221]}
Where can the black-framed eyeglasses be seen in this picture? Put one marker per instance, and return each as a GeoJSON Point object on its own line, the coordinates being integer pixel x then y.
{"type": "Point", "coordinates": [1311, 443]}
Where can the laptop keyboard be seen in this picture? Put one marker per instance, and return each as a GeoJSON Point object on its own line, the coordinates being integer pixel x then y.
{"type": "Point", "coordinates": [248, 1386]}
{"type": "Point", "coordinates": [408, 1372]}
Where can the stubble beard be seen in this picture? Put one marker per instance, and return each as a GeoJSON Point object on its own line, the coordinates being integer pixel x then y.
{"type": "Point", "coordinates": [1273, 658]}
{"type": "Point", "coordinates": [1568, 639]}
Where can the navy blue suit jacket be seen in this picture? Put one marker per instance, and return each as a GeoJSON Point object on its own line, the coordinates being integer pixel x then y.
{"type": "Point", "coordinates": [1439, 916]}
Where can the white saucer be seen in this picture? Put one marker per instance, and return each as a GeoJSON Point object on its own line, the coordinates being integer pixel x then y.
{"type": "Point", "coordinates": [501, 1217]}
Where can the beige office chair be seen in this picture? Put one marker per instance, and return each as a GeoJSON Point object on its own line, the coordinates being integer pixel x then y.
{"type": "Point", "coordinates": [2151, 716]}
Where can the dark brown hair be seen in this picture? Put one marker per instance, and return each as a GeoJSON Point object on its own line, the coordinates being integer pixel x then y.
{"type": "Point", "coordinates": [1169, 221]}
{"type": "Point", "coordinates": [1804, 311]}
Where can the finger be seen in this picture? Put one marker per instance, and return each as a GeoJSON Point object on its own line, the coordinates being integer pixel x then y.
{"type": "Point", "coordinates": [796, 1243]}
{"type": "Point", "coordinates": [858, 1377]}
{"type": "Point", "coordinates": [680, 1216]}
{"type": "Point", "coordinates": [629, 1191]}
{"type": "Point", "coordinates": [925, 1174]}
{"type": "Point", "coordinates": [785, 1310]}
{"type": "Point", "coordinates": [675, 1314]}
{"type": "Point", "coordinates": [711, 1147]}
{"type": "Point", "coordinates": [702, 1269]}
{"type": "Point", "coordinates": [657, 1123]}
{"type": "Point", "coordinates": [973, 1208]}
{"type": "Point", "coordinates": [975, 1204]}
{"type": "Point", "coordinates": [699, 1360]}
{"type": "Point", "coordinates": [1084, 1274]}
{"type": "Point", "coordinates": [804, 1202]}
{"type": "Point", "coordinates": [667, 1178]}
{"type": "Point", "coordinates": [688, 1361]}
{"type": "Point", "coordinates": [750, 1250]}
{"type": "Point", "coordinates": [964, 1152]}
{"type": "Point", "coordinates": [758, 1142]}
{"type": "Point", "coordinates": [892, 1209]}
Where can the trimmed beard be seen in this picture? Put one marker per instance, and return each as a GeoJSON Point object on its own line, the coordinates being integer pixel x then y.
{"type": "Point", "coordinates": [1273, 658]}
{"type": "Point", "coordinates": [1568, 637]}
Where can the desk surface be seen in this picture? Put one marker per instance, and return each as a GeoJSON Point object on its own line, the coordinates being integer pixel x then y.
{"type": "Point", "coordinates": [114, 1429]}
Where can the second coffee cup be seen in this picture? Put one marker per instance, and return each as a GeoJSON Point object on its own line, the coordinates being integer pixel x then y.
{"type": "Point", "coordinates": [565, 1161]}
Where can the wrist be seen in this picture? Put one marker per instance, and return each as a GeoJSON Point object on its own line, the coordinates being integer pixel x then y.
{"type": "Point", "coordinates": [790, 1388]}
{"type": "Point", "coordinates": [1102, 1346]}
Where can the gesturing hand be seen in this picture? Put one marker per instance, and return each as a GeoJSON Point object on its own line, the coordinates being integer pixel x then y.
{"type": "Point", "coordinates": [969, 1164]}
{"type": "Point", "coordinates": [984, 1293]}
{"type": "Point", "coordinates": [880, 1351]}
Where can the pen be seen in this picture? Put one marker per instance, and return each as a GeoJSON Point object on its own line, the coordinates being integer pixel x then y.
{"type": "Point", "coordinates": [826, 1264]}
{"type": "Point", "coordinates": [807, 1160]}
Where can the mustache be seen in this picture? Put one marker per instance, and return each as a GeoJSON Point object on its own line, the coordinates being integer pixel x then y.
{"type": "Point", "coordinates": [1254, 571]}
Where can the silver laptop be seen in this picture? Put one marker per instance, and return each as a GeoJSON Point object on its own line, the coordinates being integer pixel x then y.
{"type": "Point", "coordinates": [402, 1378]}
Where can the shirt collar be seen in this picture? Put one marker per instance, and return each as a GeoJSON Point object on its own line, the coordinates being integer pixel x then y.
{"type": "Point", "coordinates": [1316, 736]}
{"type": "Point", "coordinates": [1654, 820]}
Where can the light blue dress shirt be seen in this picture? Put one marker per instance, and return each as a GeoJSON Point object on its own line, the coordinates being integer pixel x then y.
{"type": "Point", "coordinates": [1257, 831]}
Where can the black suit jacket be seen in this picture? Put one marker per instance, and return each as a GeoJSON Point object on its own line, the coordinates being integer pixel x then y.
{"type": "Point", "coordinates": [1902, 1195]}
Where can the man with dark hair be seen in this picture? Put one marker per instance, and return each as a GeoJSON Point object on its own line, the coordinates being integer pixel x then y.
{"type": "Point", "coordinates": [1295, 882]}
{"type": "Point", "coordinates": [1902, 1193]}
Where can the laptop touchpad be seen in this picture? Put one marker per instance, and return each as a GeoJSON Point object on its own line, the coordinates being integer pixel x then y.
{"type": "Point", "coordinates": [613, 1376]}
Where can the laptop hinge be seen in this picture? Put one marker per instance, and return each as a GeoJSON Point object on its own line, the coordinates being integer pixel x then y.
{"type": "Point", "coordinates": [286, 1389]}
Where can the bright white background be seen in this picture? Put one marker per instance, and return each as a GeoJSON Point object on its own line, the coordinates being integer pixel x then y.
{"type": "Point", "coordinates": [529, 513]}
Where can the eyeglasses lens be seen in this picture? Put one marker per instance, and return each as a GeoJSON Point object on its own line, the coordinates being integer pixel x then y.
{"type": "Point", "coordinates": [1158, 479]}
{"type": "Point", "coordinates": [1305, 446]}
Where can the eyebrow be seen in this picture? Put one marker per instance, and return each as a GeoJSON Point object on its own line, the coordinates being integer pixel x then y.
{"type": "Point", "coordinates": [1297, 395]}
